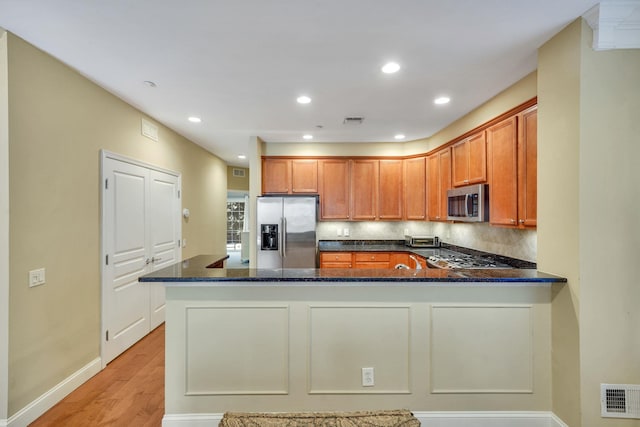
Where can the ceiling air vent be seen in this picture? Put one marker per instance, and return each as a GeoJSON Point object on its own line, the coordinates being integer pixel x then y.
{"type": "Point", "coordinates": [620, 400]}
{"type": "Point", "coordinates": [353, 120]}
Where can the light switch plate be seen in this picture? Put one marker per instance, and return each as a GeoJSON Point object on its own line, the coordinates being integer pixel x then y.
{"type": "Point", "coordinates": [36, 277]}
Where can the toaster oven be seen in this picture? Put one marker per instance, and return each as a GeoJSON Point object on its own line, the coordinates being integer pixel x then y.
{"type": "Point", "coordinates": [422, 241]}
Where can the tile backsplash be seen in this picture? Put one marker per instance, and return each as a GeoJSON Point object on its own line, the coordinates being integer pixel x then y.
{"type": "Point", "coordinates": [514, 243]}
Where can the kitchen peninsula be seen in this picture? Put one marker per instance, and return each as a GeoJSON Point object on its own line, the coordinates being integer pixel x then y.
{"type": "Point", "coordinates": [298, 339]}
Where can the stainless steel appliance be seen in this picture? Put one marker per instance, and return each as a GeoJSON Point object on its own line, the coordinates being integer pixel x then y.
{"type": "Point", "coordinates": [287, 231]}
{"type": "Point", "coordinates": [422, 241]}
{"type": "Point", "coordinates": [469, 203]}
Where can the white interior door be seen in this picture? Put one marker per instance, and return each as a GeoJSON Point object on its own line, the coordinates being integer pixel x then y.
{"type": "Point", "coordinates": [141, 232]}
{"type": "Point", "coordinates": [164, 236]}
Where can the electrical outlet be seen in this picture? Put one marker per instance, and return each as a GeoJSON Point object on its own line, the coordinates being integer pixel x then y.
{"type": "Point", "coordinates": [346, 232]}
{"type": "Point", "coordinates": [367, 377]}
{"type": "Point", "coordinates": [406, 231]}
{"type": "Point", "coordinates": [184, 242]}
{"type": "Point", "coordinates": [339, 231]}
{"type": "Point", "coordinates": [36, 277]}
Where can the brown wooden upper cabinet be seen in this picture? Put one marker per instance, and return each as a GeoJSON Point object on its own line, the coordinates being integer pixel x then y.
{"type": "Point", "coordinates": [364, 189]}
{"type": "Point", "coordinates": [528, 167]}
{"type": "Point", "coordinates": [415, 188]}
{"type": "Point", "coordinates": [376, 189]}
{"type": "Point", "coordinates": [469, 160]}
{"type": "Point", "coordinates": [438, 182]}
{"type": "Point", "coordinates": [390, 189]}
{"type": "Point", "coordinates": [512, 160]}
{"type": "Point", "coordinates": [289, 176]}
{"type": "Point", "coordinates": [335, 196]}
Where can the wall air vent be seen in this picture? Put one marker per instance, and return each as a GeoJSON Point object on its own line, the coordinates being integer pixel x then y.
{"type": "Point", "coordinates": [238, 172]}
{"type": "Point", "coordinates": [620, 400]}
{"type": "Point", "coordinates": [353, 120]}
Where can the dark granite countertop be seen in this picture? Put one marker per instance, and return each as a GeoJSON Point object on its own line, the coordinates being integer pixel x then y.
{"type": "Point", "coordinates": [399, 246]}
{"type": "Point", "coordinates": [194, 270]}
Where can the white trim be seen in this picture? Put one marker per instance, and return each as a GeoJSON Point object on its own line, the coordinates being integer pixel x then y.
{"type": "Point", "coordinates": [42, 404]}
{"type": "Point", "coordinates": [431, 419]}
{"type": "Point", "coordinates": [4, 229]}
{"type": "Point", "coordinates": [615, 24]}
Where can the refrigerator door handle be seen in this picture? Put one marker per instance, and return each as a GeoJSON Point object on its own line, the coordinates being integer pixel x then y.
{"type": "Point", "coordinates": [284, 236]}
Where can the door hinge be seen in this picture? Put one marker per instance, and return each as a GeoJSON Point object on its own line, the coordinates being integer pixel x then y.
{"type": "Point", "coordinates": [107, 335]}
{"type": "Point", "coordinates": [178, 194]}
{"type": "Point", "coordinates": [178, 243]}
{"type": "Point", "coordinates": [106, 259]}
{"type": "Point", "coordinates": [106, 184]}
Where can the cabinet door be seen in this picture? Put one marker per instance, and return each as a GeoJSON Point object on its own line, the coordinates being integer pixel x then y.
{"type": "Point", "coordinates": [503, 188]}
{"type": "Point", "coordinates": [469, 160]}
{"type": "Point", "coordinates": [415, 190]}
{"type": "Point", "coordinates": [477, 158]}
{"type": "Point", "coordinates": [334, 187]}
{"type": "Point", "coordinates": [276, 176]}
{"type": "Point", "coordinates": [438, 182]}
{"type": "Point", "coordinates": [390, 194]}
{"type": "Point", "coordinates": [460, 163]}
{"type": "Point", "coordinates": [528, 167]}
{"type": "Point", "coordinates": [304, 176]}
{"type": "Point", "coordinates": [364, 189]}
{"type": "Point", "coordinates": [433, 187]}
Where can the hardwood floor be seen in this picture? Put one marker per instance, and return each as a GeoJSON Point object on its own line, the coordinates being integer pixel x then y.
{"type": "Point", "coordinates": [128, 392]}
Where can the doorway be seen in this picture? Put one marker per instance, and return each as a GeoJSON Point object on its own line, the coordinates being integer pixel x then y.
{"type": "Point", "coordinates": [141, 232]}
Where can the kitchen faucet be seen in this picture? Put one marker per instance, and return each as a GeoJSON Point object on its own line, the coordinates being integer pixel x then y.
{"type": "Point", "coordinates": [418, 265]}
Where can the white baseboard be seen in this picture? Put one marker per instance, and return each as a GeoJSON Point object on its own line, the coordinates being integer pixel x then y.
{"type": "Point", "coordinates": [431, 419]}
{"type": "Point", "coordinates": [191, 420]}
{"type": "Point", "coordinates": [489, 419]}
{"type": "Point", "coordinates": [42, 404]}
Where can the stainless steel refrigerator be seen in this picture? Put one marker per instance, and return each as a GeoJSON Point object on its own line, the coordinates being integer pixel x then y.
{"type": "Point", "coordinates": [287, 231]}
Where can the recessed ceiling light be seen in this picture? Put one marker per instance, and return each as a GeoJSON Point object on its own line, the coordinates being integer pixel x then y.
{"type": "Point", "coordinates": [307, 136]}
{"type": "Point", "coordinates": [390, 67]}
{"type": "Point", "coordinates": [442, 100]}
{"type": "Point", "coordinates": [242, 156]}
{"type": "Point", "coordinates": [194, 119]}
{"type": "Point", "coordinates": [304, 99]}
{"type": "Point", "coordinates": [399, 136]}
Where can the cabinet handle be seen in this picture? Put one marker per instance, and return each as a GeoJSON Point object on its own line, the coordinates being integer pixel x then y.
{"type": "Point", "coordinates": [522, 221]}
{"type": "Point", "coordinates": [513, 221]}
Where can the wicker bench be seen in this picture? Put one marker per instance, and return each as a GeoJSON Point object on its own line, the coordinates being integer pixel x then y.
{"type": "Point", "coordinates": [389, 418]}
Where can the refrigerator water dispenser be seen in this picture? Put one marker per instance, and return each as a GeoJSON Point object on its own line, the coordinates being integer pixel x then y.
{"type": "Point", "coordinates": [269, 237]}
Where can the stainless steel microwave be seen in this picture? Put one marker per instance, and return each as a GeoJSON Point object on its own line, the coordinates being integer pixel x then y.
{"type": "Point", "coordinates": [469, 204]}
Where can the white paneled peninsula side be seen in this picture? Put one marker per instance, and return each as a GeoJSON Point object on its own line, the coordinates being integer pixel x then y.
{"type": "Point", "coordinates": [297, 340]}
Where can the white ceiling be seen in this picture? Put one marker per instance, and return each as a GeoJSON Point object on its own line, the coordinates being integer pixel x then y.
{"type": "Point", "coordinates": [240, 64]}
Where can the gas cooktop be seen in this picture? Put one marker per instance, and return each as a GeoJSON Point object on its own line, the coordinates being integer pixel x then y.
{"type": "Point", "coordinates": [463, 261]}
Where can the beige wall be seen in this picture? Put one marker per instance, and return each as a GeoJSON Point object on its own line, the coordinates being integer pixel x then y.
{"type": "Point", "coordinates": [4, 226]}
{"type": "Point", "coordinates": [58, 122]}
{"type": "Point", "coordinates": [558, 209]}
{"type": "Point", "coordinates": [236, 183]}
{"type": "Point", "coordinates": [609, 206]}
{"type": "Point", "coordinates": [589, 104]}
